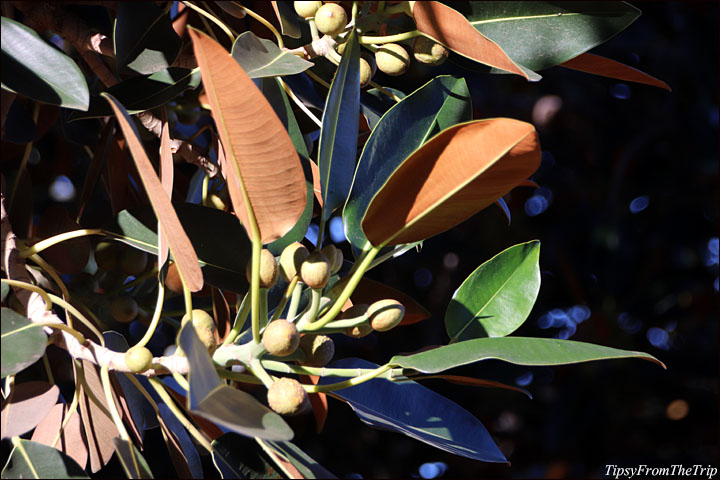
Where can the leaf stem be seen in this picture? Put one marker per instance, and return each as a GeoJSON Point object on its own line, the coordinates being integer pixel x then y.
{"type": "Point", "coordinates": [71, 411]}
{"type": "Point", "coordinates": [255, 283]}
{"type": "Point", "coordinates": [269, 25]}
{"type": "Point", "coordinates": [156, 317]}
{"type": "Point", "coordinates": [239, 321]}
{"type": "Point", "coordinates": [212, 18]}
{"type": "Point", "coordinates": [286, 297]}
{"type": "Point", "coordinates": [399, 37]}
{"type": "Point", "coordinates": [295, 301]}
{"type": "Point", "coordinates": [61, 326]}
{"type": "Point", "coordinates": [67, 306]}
{"type": "Point", "coordinates": [299, 103]}
{"type": "Point", "coordinates": [107, 388]}
{"type": "Point", "coordinates": [351, 382]}
{"type": "Point", "coordinates": [54, 240]}
{"type": "Point", "coordinates": [312, 311]}
{"type": "Point", "coordinates": [32, 288]}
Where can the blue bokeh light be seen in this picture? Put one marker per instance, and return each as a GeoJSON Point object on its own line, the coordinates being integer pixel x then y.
{"type": "Point", "coordinates": [62, 189]}
{"type": "Point", "coordinates": [711, 254]}
{"type": "Point", "coordinates": [658, 338]}
{"type": "Point", "coordinates": [628, 323]}
{"type": "Point", "coordinates": [432, 469]}
{"type": "Point", "coordinates": [312, 233]}
{"type": "Point", "coordinates": [423, 277]}
{"type": "Point", "coordinates": [525, 379]}
{"type": "Point", "coordinates": [536, 205]}
{"type": "Point", "coordinates": [639, 204]}
{"type": "Point", "coordinates": [620, 91]}
{"type": "Point", "coordinates": [565, 319]}
{"type": "Point", "coordinates": [337, 232]}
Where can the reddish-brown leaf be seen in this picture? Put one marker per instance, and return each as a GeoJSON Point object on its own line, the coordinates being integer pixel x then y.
{"type": "Point", "coordinates": [456, 174]}
{"type": "Point", "coordinates": [117, 176]}
{"type": "Point", "coordinates": [166, 179]}
{"type": "Point", "coordinates": [125, 411]}
{"type": "Point", "coordinates": [176, 454]}
{"type": "Point", "coordinates": [369, 291]}
{"type": "Point", "coordinates": [180, 246]}
{"type": "Point", "coordinates": [261, 159]}
{"type": "Point", "coordinates": [474, 382]}
{"type": "Point", "coordinates": [71, 443]}
{"type": "Point", "coordinates": [221, 313]}
{"type": "Point", "coordinates": [29, 403]}
{"type": "Point", "coordinates": [316, 182]}
{"type": "Point", "coordinates": [449, 27]}
{"type": "Point", "coordinates": [605, 67]}
{"type": "Point", "coordinates": [318, 402]}
{"type": "Point", "coordinates": [99, 428]}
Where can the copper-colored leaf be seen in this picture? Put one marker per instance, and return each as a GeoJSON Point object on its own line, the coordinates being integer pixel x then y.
{"type": "Point", "coordinates": [117, 176]}
{"type": "Point", "coordinates": [71, 443]}
{"type": "Point", "coordinates": [127, 416]}
{"type": "Point", "coordinates": [318, 402]}
{"type": "Point", "coordinates": [369, 291]}
{"type": "Point", "coordinates": [473, 382]}
{"type": "Point", "coordinates": [456, 174]}
{"type": "Point", "coordinates": [29, 404]}
{"type": "Point", "coordinates": [449, 27]}
{"type": "Point", "coordinates": [221, 313]}
{"type": "Point", "coordinates": [99, 428]}
{"type": "Point", "coordinates": [261, 157]}
{"type": "Point", "coordinates": [605, 67]}
{"type": "Point", "coordinates": [316, 182]}
{"type": "Point", "coordinates": [180, 246]}
{"type": "Point", "coordinates": [166, 179]}
{"type": "Point", "coordinates": [176, 454]}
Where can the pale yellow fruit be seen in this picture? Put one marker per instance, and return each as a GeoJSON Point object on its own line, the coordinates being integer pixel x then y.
{"type": "Point", "coordinates": [367, 69]}
{"type": "Point", "coordinates": [291, 260]}
{"type": "Point", "coordinates": [315, 270]}
{"type": "Point", "coordinates": [428, 51]}
{"type": "Point", "coordinates": [392, 59]}
{"type": "Point", "coordinates": [356, 312]}
{"type": "Point", "coordinates": [331, 19]}
{"type": "Point", "coordinates": [268, 269]}
{"type": "Point", "coordinates": [124, 309]}
{"type": "Point", "coordinates": [319, 350]}
{"type": "Point", "coordinates": [306, 9]}
{"type": "Point", "coordinates": [204, 325]}
{"type": "Point", "coordinates": [287, 397]}
{"type": "Point", "coordinates": [138, 359]}
{"type": "Point", "coordinates": [385, 314]}
{"type": "Point", "coordinates": [281, 338]}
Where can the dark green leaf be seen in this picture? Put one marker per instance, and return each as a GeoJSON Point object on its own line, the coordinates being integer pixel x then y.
{"type": "Point", "coordinates": [36, 70]}
{"type": "Point", "coordinates": [236, 456]}
{"type": "Point", "coordinates": [304, 464]}
{"type": "Point", "coordinates": [145, 41]}
{"type": "Point", "coordinates": [439, 104]}
{"type": "Point", "coordinates": [338, 138]}
{"type": "Point", "coordinates": [30, 459]}
{"type": "Point", "coordinates": [131, 460]}
{"type": "Point", "coordinates": [220, 241]}
{"type": "Point", "coordinates": [517, 350]}
{"type": "Point", "coordinates": [4, 290]}
{"type": "Point", "coordinates": [497, 297]}
{"type": "Point", "coordinates": [262, 58]}
{"type": "Point", "coordinates": [540, 35]}
{"type": "Point", "coordinates": [418, 412]}
{"type": "Point", "coordinates": [290, 23]}
{"type": "Point", "coordinates": [138, 94]}
{"type": "Point", "coordinates": [23, 342]}
{"type": "Point", "coordinates": [203, 378]}
{"type": "Point", "coordinates": [374, 104]}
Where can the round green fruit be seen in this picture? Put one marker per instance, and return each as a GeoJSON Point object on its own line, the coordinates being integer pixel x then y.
{"type": "Point", "coordinates": [291, 260]}
{"type": "Point", "coordinates": [315, 270]}
{"type": "Point", "coordinates": [124, 309]}
{"type": "Point", "coordinates": [287, 397]}
{"type": "Point", "coordinates": [385, 314]}
{"type": "Point", "coordinates": [428, 51]}
{"type": "Point", "coordinates": [319, 350]}
{"type": "Point", "coordinates": [392, 59]}
{"type": "Point", "coordinates": [204, 325]}
{"type": "Point", "coordinates": [107, 255]}
{"type": "Point", "coordinates": [331, 19]}
{"type": "Point", "coordinates": [268, 269]}
{"type": "Point", "coordinates": [133, 261]}
{"type": "Point", "coordinates": [281, 338]}
{"type": "Point", "coordinates": [307, 9]}
{"type": "Point", "coordinates": [138, 359]}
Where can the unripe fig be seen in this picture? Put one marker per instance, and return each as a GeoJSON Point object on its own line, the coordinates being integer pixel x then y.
{"type": "Point", "coordinates": [291, 259]}
{"type": "Point", "coordinates": [315, 270]}
{"type": "Point", "coordinates": [138, 359]}
{"type": "Point", "coordinates": [107, 255]}
{"type": "Point", "coordinates": [281, 338]}
{"type": "Point", "coordinates": [133, 261]}
{"type": "Point", "coordinates": [307, 9]}
{"type": "Point", "coordinates": [334, 256]}
{"type": "Point", "coordinates": [355, 312]}
{"type": "Point", "coordinates": [268, 269]}
{"type": "Point", "coordinates": [428, 51]}
{"type": "Point", "coordinates": [204, 327]}
{"type": "Point", "coordinates": [124, 309]}
{"type": "Point", "coordinates": [331, 19]}
{"type": "Point", "coordinates": [385, 314]}
{"type": "Point", "coordinates": [392, 59]}
{"type": "Point", "coordinates": [319, 350]}
{"type": "Point", "coordinates": [367, 69]}
{"type": "Point", "coordinates": [287, 397]}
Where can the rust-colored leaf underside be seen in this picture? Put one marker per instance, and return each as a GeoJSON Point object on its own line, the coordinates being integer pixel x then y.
{"type": "Point", "coordinates": [369, 291]}
{"type": "Point", "coordinates": [605, 67]}
{"type": "Point", "coordinates": [451, 28]}
{"type": "Point", "coordinates": [260, 155]}
{"type": "Point", "coordinates": [456, 174]}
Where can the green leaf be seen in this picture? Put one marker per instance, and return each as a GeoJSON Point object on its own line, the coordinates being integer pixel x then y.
{"type": "Point", "coordinates": [142, 93]}
{"type": "Point", "coordinates": [540, 35]}
{"type": "Point", "coordinates": [23, 342]}
{"type": "Point", "coordinates": [338, 138]}
{"type": "Point", "coordinates": [132, 461]}
{"type": "Point", "coordinates": [262, 58]}
{"type": "Point", "coordinates": [220, 241]}
{"type": "Point", "coordinates": [145, 41]}
{"type": "Point", "coordinates": [498, 296]}
{"type": "Point", "coordinates": [4, 290]}
{"type": "Point", "coordinates": [374, 104]}
{"type": "Point", "coordinates": [290, 23]}
{"type": "Point", "coordinates": [203, 378]}
{"type": "Point", "coordinates": [517, 350]}
{"type": "Point", "coordinates": [30, 459]}
{"type": "Point", "coordinates": [441, 103]}
{"type": "Point", "coordinates": [303, 463]}
{"type": "Point", "coordinates": [236, 456]}
{"type": "Point", "coordinates": [39, 71]}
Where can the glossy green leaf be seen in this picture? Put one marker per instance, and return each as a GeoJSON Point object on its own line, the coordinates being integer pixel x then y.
{"type": "Point", "coordinates": [374, 104]}
{"type": "Point", "coordinates": [133, 463]}
{"type": "Point", "coordinates": [237, 456]}
{"type": "Point", "coordinates": [441, 103]}
{"type": "Point", "coordinates": [220, 242]}
{"type": "Point", "coordinates": [540, 35]}
{"type": "Point", "coordinates": [303, 463]}
{"type": "Point", "coordinates": [290, 23]}
{"type": "Point", "coordinates": [142, 93]}
{"type": "Point", "coordinates": [338, 138]}
{"type": "Point", "coordinates": [498, 296]}
{"type": "Point", "coordinates": [39, 71]}
{"type": "Point", "coordinates": [23, 342]}
{"type": "Point", "coordinates": [145, 41]}
{"type": "Point", "coordinates": [30, 459]}
{"type": "Point", "coordinates": [202, 376]}
{"type": "Point", "coordinates": [517, 350]}
{"type": "Point", "coordinates": [262, 58]}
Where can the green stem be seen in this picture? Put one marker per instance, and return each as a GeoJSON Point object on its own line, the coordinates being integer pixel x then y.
{"type": "Point", "coordinates": [257, 369]}
{"type": "Point", "coordinates": [239, 321]}
{"type": "Point", "coordinates": [212, 18]}
{"type": "Point", "coordinates": [314, 33]}
{"type": "Point", "coordinates": [282, 367]}
{"type": "Point", "coordinates": [156, 317]}
{"type": "Point", "coordinates": [107, 388]}
{"type": "Point", "coordinates": [54, 240]}
{"type": "Point", "coordinates": [311, 313]}
{"type": "Point", "coordinates": [321, 229]}
{"type": "Point", "coordinates": [295, 301]}
{"type": "Point", "coordinates": [288, 293]}
{"type": "Point", "coordinates": [32, 288]}
{"type": "Point", "coordinates": [263, 307]}
{"type": "Point", "coordinates": [255, 287]}
{"type": "Point", "coordinates": [398, 37]}
{"type": "Point", "coordinates": [351, 382]}
{"type": "Point", "coordinates": [239, 377]}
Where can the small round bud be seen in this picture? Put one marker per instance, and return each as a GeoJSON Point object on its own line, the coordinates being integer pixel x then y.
{"type": "Point", "coordinates": [268, 269]}
{"type": "Point", "coordinates": [392, 59]}
{"type": "Point", "coordinates": [138, 359]}
{"type": "Point", "coordinates": [367, 69]}
{"type": "Point", "coordinates": [428, 51]}
{"type": "Point", "coordinates": [281, 338]}
{"type": "Point", "coordinates": [306, 9]}
{"type": "Point", "coordinates": [315, 270]}
{"type": "Point", "coordinates": [319, 350]}
{"type": "Point", "coordinates": [124, 309]}
{"type": "Point", "coordinates": [291, 259]}
{"type": "Point", "coordinates": [287, 397]}
{"type": "Point", "coordinates": [133, 261]}
{"type": "Point", "coordinates": [107, 255]}
{"type": "Point", "coordinates": [385, 314]}
{"type": "Point", "coordinates": [204, 325]}
{"type": "Point", "coordinates": [331, 19]}
{"type": "Point", "coordinates": [217, 202]}
{"type": "Point", "coordinates": [357, 312]}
